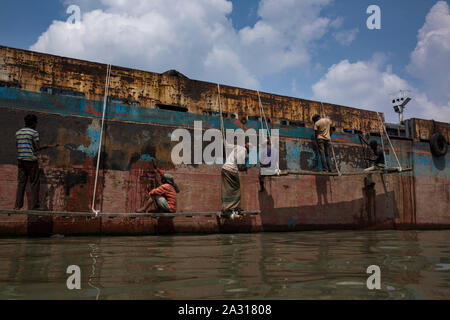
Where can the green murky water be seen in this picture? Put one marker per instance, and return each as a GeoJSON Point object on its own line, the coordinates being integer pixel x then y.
{"type": "Point", "coordinates": [303, 265]}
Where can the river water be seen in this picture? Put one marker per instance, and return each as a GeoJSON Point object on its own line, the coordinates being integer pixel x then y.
{"type": "Point", "coordinates": [300, 265]}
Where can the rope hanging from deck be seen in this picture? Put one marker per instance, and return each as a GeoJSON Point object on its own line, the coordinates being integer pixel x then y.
{"type": "Point", "coordinates": [221, 115]}
{"type": "Point", "coordinates": [390, 143]}
{"type": "Point", "coordinates": [108, 75]}
{"type": "Point", "coordinates": [263, 116]}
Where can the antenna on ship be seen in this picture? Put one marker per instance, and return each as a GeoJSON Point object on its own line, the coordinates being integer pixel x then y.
{"type": "Point", "coordinates": [399, 101]}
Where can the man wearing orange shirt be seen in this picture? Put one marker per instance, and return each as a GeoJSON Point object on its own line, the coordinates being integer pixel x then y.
{"type": "Point", "coordinates": [164, 197]}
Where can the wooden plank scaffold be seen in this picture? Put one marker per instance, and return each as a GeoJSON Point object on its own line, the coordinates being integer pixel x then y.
{"type": "Point", "coordinates": [354, 173]}
{"type": "Point", "coordinates": [120, 215]}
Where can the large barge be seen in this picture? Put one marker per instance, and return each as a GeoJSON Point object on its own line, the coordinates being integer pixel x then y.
{"type": "Point", "coordinates": [144, 108]}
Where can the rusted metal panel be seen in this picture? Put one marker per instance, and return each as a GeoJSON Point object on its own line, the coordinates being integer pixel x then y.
{"type": "Point", "coordinates": [424, 129]}
{"type": "Point", "coordinates": [36, 72]}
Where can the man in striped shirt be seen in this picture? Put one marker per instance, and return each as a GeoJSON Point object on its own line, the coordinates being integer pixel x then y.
{"type": "Point", "coordinates": [27, 140]}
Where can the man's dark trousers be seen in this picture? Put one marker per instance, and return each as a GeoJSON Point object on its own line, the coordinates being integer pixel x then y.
{"type": "Point", "coordinates": [324, 149]}
{"type": "Point", "coordinates": [28, 171]}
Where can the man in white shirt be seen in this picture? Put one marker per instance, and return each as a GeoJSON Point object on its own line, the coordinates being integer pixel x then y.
{"type": "Point", "coordinates": [231, 188]}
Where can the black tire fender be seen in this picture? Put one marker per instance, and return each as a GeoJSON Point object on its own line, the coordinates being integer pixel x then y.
{"type": "Point", "coordinates": [438, 145]}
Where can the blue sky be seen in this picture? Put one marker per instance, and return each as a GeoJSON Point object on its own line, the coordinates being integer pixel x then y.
{"type": "Point", "coordinates": [318, 49]}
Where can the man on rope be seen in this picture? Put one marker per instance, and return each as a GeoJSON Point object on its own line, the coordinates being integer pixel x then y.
{"type": "Point", "coordinates": [322, 128]}
{"type": "Point", "coordinates": [164, 197]}
{"type": "Point", "coordinates": [231, 188]}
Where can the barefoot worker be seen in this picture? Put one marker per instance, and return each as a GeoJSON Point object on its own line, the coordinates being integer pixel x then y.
{"type": "Point", "coordinates": [164, 197]}
{"type": "Point", "coordinates": [27, 141]}
{"type": "Point", "coordinates": [231, 187]}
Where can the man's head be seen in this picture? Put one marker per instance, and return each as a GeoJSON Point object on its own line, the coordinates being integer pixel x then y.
{"type": "Point", "coordinates": [167, 178]}
{"type": "Point", "coordinates": [30, 121]}
{"type": "Point", "coordinates": [315, 118]}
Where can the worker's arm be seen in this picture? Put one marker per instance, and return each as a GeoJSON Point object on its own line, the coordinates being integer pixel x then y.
{"type": "Point", "coordinates": [37, 146]}
{"type": "Point", "coordinates": [316, 133]}
{"type": "Point", "coordinates": [158, 176]}
{"type": "Point", "coordinates": [158, 191]}
{"type": "Point", "coordinates": [49, 146]}
{"type": "Point", "coordinates": [241, 158]}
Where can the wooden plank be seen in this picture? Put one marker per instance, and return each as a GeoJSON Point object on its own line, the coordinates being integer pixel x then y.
{"type": "Point", "coordinates": [118, 215]}
{"type": "Point", "coordinates": [356, 173]}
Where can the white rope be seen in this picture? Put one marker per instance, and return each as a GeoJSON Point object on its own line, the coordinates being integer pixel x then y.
{"type": "Point", "coordinates": [390, 143]}
{"type": "Point", "coordinates": [260, 113]}
{"type": "Point", "coordinates": [108, 75]}
{"type": "Point", "coordinates": [263, 115]}
{"type": "Point", "coordinates": [332, 146]}
{"type": "Point", "coordinates": [91, 254]}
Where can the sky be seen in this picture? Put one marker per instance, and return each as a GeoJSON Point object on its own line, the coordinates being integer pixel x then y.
{"type": "Point", "coordinates": [311, 49]}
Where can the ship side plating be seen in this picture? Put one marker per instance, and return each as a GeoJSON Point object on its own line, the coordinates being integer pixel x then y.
{"type": "Point", "coordinates": [145, 108]}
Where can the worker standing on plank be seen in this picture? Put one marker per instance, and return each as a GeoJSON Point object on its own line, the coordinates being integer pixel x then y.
{"type": "Point", "coordinates": [231, 188]}
{"type": "Point", "coordinates": [164, 197]}
{"type": "Point", "coordinates": [378, 158]}
{"type": "Point", "coordinates": [27, 141]}
{"type": "Point", "coordinates": [322, 129]}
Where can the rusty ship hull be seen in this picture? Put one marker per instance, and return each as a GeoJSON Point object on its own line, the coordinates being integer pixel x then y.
{"type": "Point", "coordinates": [143, 110]}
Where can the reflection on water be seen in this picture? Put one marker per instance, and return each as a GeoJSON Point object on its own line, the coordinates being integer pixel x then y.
{"type": "Point", "coordinates": [302, 265]}
{"type": "Point", "coordinates": [93, 254]}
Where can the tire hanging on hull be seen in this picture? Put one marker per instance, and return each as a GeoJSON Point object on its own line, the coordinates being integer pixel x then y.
{"type": "Point", "coordinates": [438, 145]}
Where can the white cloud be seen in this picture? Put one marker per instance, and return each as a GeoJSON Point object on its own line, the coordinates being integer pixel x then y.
{"type": "Point", "coordinates": [369, 84]}
{"type": "Point", "coordinates": [431, 110]}
{"type": "Point", "coordinates": [155, 35]}
{"type": "Point", "coordinates": [430, 60]}
{"type": "Point", "coordinates": [337, 23]}
{"type": "Point", "coordinates": [283, 36]}
{"type": "Point", "coordinates": [195, 37]}
{"type": "Point", "coordinates": [360, 84]}
{"type": "Point", "coordinates": [345, 37]}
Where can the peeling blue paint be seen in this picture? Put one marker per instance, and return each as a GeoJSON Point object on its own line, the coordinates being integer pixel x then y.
{"type": "Point", "coordinates": [147, 157]}
{"type": "Point", "coordinates": [293, 155]}
{"type": "Point", "coordinates": [92, 149]}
